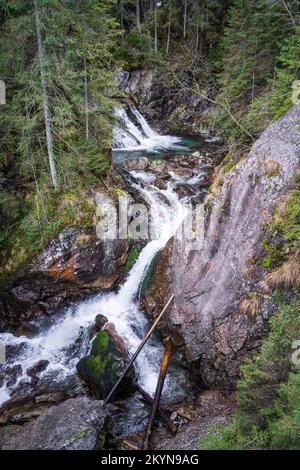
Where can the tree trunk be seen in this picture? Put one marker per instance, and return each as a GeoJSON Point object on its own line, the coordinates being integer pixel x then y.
{"type": "Point", "coordinates": [158, 391]}
{"type": "Point", "coordinates": [122, 23]}
{"type": "Point", "coordinates": [184, 18]}
{"type": "Point", "coordinates": [138, 16]}
{"type": "Point", "coordinates": [169, 29]}
{"type": "Point", "coordinates": [47, 115]}
{"type": "Point", "coordinates": [168, 38]}
{"type": "Point", "coordinates": [86, 101]}
{"type": "Point", "coordinates": [155, 29]}
{"type": "Point", "coordinates": [197, 26]}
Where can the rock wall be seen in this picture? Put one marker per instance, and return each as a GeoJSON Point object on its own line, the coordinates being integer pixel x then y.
{"type": "Point", "coordinates": [210, 284]}
{"type": "Point", "coordinates": [167, 106]}
{"type": "Point", "coordinates": [73, 265]}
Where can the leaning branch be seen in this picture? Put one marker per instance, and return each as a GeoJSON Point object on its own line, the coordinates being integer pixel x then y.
{"type": "Point", "coordinates": [138, 350]}
{"type": "Point", "coordinates": [224, 106]}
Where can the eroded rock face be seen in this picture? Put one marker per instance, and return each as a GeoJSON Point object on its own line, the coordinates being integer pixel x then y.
{"type": "Point", "coordinates": [73, 265]}
{"type": "Point", "coordinates": [210, 283]}
{"type": "Point", "coordinates": [169, 108]}
{"type": "Point", "coordinates": [77, 424]}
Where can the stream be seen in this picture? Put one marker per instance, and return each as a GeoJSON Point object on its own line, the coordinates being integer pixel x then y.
{"type": "Point", "coordinates": [63, 339]}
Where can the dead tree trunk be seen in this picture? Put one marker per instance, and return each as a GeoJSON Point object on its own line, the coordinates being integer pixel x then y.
{"type": "Point", "coordinates": [185, 19]}
{"type": "Point", "coordinates": [155, 29]}
{"type": "Point", "coordinates": [158, 391]}
{"type": "Point", "coordinates": [138, 16]}
{"type": "Point", "coordinates": [47, 115]}
{"type": "Point", "coordinates": [86, 101]}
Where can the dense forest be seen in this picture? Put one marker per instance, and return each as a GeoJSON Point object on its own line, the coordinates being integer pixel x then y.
{"type": "Point", "coordinates": [245, 54]}
{"type": "Point", "coordinates": [60, 61]}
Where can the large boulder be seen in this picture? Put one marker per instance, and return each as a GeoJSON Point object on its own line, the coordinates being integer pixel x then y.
{"type": "Point", "coordinates": [74, 265]}
{"type": "Point", "coordinates": [210, 284]}
{"type": "Point", "coordinates": [77, 424]}
{"type": "Point", "coordinates": [107, 360]}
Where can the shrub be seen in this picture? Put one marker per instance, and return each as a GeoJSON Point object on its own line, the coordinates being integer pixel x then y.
{"type": "Point", "coordinates": [268, 393]}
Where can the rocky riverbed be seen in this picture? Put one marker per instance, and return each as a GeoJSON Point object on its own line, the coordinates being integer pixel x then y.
{"type": "Point", "coordinates": [76, 265]}
{"type": "Point", "coordinates": [63, 356]}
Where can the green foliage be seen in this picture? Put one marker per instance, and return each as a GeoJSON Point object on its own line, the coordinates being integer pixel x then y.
{"type": "Point", "coordinates": [268, 393]}
{"type": "Point", "coordinates": [290, 221]}
{"type": "Point", "coordinates": [228, 167]}
{"type": "Point", "coordinates": [258, 40]}
{"type": "Point", "coordinates": [80, 62]}
{"type": "Point", "coordinates": [283, 233]}
{"type": "Point", "coordinates": [285, 429]}
{"type": "Point", "coordinates": [132, 257]}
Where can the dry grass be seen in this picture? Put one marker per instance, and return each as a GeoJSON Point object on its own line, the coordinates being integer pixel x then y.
{"type": "Point", "coordinates": [272, 168]}
{"type": "Point", "coordinates": [216, 187]}
{"type": "Point", "coordinates": [251, 305]}
{"type": "Point", "coordinates": [283, 206]}
{"type": "Point", "coordinates": [288, 275]}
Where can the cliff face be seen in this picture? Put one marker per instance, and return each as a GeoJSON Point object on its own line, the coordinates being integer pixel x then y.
{"type": "Point", "coordinates": [168, 106]}
{"type": "Point", "coordinates": [75, 264]}
{"type": "Point", "coordinates": [211, 283]}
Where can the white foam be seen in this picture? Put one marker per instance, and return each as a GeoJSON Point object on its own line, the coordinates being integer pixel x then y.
{"type": "Point", "coordinates": [130, 136]}
{"type": "Point", "coordinates": [55, 343]}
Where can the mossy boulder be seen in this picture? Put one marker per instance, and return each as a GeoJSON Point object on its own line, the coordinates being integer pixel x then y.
{"type": "Point", "coordinates": [102, 368]}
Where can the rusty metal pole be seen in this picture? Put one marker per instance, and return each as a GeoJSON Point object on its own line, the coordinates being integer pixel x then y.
{"type": "Point", "coordinates": [138, 350]}
{"type": "Point", "coordinates": [158, 391]}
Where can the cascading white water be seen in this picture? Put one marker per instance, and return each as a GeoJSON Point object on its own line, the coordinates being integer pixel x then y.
{"type": "Point", "coordinates": [54, 344]}
{"type": "Point", "coordinates": [140, 136]}
{"type": "Point", "coordinates": [64, 342]}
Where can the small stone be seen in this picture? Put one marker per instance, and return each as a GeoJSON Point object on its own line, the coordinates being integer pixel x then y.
{"type": "Point", "coordinates": [173, 416]}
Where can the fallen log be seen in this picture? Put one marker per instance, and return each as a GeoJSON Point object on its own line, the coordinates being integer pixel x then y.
{"type": "Point", "coordinates": [158, 391]}
{"type": "Point", "coordinates": [138, 350]}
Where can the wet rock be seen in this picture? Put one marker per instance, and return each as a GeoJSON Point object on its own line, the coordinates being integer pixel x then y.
{"type": "Point", "coordinates": [101, 369]}
{"type": "Point", "coordinates": [67, 270]}
{"type": "Point", "coordinates": [12, 373]}
{"type": "Point", "coordinates": [37, 368]}
{"type": "Point", "coordinates": [140, 164]}
{"type": "Point", "coordinates": [129, 417]}
{"type": "Point", "coordinates": [77, 424]}
{"type": "Point", "coordinates": [170, 109]}
{"type": "Point", "coordinates": [33, 394]}
{"type": "Point", "coordinates": [210, 283]}
{"type": "Point", "coordinates": [53, 398]}
{"type": "Point", "coordinates": [100, 321]}
{"type": "Point", "coordinates": [26, 329]}
{"type": "Point", "coordinates": [211, 408]}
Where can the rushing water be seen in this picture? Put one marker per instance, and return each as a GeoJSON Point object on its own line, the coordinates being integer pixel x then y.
{"type": "Point", "coordinates": [63, 342]}
{"type": "Point", "coordinates": [138, 135]}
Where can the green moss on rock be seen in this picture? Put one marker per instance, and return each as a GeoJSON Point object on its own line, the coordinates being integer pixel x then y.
{"type": "Point", "coordinates": [100, 344]}
{"type": "Point", "coordinates": [133, 255]}
{"type": "Point", "coordinates": [102, 368]}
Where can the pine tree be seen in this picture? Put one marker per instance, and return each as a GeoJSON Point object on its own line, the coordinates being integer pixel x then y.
{"type": "Point", "coordinates": [76, 74]}
{"type": "Point", "coordinates": [251, 45]}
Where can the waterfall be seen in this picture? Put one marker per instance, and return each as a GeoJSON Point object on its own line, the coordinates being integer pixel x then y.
{"type": "Point", "coordinates": [57, 343]}
{"type": "Point", "coordinates": [138, 135]}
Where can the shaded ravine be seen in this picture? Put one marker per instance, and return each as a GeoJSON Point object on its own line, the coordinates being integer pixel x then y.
{"type": "Point", "coordinates": [65, 340]}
